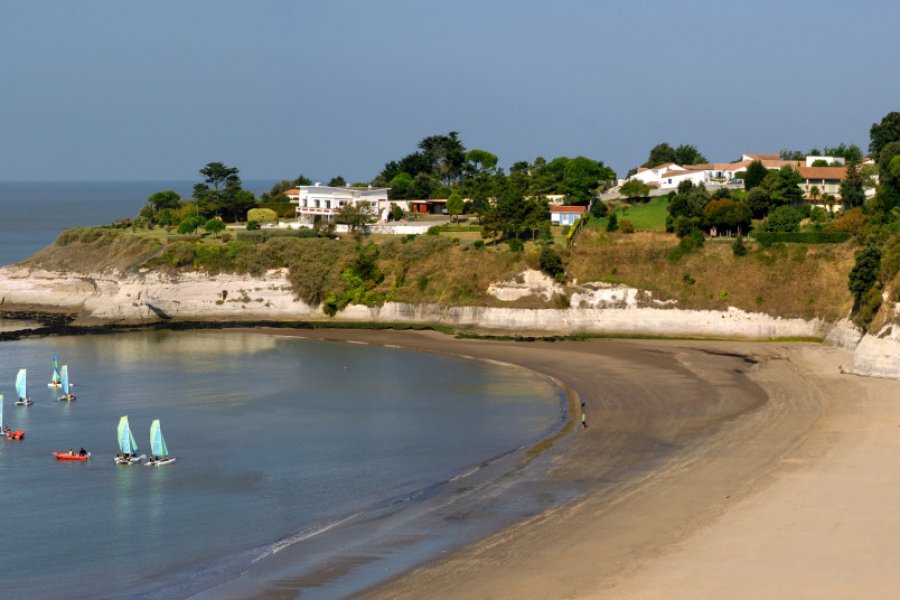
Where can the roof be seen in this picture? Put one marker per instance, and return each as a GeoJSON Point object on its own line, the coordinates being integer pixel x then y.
{"type": "Point", "coordinates": [777, 164]}
{"type": "Point", "coordinates": [568, 209]}
{"type": "Point", "coordinates": [834, 173]}
{"type": "Point", "coordinates": [345, 188]}
{"type": "Point", "coordinates": [677, 173]}
{"type": "Point", "coordinates": [763, 156]}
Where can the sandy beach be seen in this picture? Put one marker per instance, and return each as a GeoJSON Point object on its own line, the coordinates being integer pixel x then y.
{"type": "Point", "coordinates": [711, 469]}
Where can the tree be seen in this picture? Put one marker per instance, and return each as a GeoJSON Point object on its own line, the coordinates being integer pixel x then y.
{"type": "Point", "coordinates": [864, 273]}
{"type": "Point", "coordinates": [163, 200]}
{"type": "Point", "coordinates": [551, 263]}
{"type": "Point", "coordinates": [214, 226]}
{"type": "Point", "coordinates": [454, 205]}
{"type": "Point", "coordinates": [882, 134]}
{"type": "Point", "coordinates": [613, 223]}
{"type": "Point", "coordinates": [660, 154]}
{"type": "Point", "coordinates": [234, 203]}
{"type": "Point", "coordinates": [337, 181]}
{"type": "Point", "coordinates": [727, 215]}
{"type": "Point", "coordinates": [396, 212]}
{"type": "Point", "coordinates": [687, 154]}
{"type": "Point", "coordinates": [755, 175]}
{"type": "Point", "coordinates": [785, 187]}
{"type": "Point", "coordinates": [758, 202]}
{"type": "Point", "coordinates": [814, 193]}
{"type": "Point", "coordinates": [738, 248]}
{"type": "Point", "coordinates": [634, 188]}
{"type": "Point", "coordinates": [400, 185]}
{"type": "Point", "coordinates": [357, 217]}
{"type": "Point", "coordinates": [850, 153]}
{"type": "Point", "coordinates": [791, 155]}
{"type": "Point", "coordinates": [422, 187]}
{"type": "Point", "coordinates": [190, 225]}
{"type": "Point", "coordinates": [446, 155]}
{"type": "Point", "coordinates": [481, 159]}
{"type": "Point", "coordinates": [599, 209]}
{"type": "Point", "coordinates": [784, 219]}
{"type": "Point", "coordinates": [819, 162]}
{"type": "Point", "coordinates": [217, 175]}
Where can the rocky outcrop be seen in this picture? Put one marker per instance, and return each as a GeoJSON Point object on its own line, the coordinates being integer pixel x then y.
{"type": "Point", "coordinates": [115, 298]}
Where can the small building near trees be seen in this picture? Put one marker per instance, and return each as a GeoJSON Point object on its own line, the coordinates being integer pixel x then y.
{"type": "Point", "coordinates": [566, 215]}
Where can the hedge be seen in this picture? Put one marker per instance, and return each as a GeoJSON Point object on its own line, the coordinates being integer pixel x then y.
{"type": "Point", "coordinates": [800, 237]}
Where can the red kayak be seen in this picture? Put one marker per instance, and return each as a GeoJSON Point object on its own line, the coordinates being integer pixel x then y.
{"type": "Point", "coordinates": [67, 456]}
{"type": "Point", "coordinates": [18, 434]}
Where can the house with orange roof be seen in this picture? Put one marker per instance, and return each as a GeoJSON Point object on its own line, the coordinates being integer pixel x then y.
{"type": "Point", "coordinates": [566, 215]}
{"type": "Point", "coordinates": [826, 180]}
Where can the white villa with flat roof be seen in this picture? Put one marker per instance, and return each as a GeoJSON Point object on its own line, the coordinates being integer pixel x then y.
{"type": "Point", "coordinates": [325, 202]}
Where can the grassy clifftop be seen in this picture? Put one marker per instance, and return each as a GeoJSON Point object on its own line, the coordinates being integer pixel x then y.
{"type": "Point", "coordinates": [790, 280]}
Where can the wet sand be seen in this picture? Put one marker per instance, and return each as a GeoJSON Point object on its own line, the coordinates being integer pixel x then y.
{"type": "Point", "coordinates": [709, 469]}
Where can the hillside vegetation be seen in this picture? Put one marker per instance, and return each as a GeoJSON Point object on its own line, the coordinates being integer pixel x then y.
{"type": "Point", "coordinates": [791, 280]}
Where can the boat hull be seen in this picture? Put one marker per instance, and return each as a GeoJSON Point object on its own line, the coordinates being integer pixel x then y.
{"type": "Point", "coordinates": [16, 435]}
{"type": "Point", "coordinates": [24, 402]}
{"type": "Point", "coordinates": [68, 398]}
{"type": "Point", "coordinates": [160, 463]}
{"type": "Point", "coordinates": [129, 461]}
{"type": "Point", "coordinates": [75, 457]}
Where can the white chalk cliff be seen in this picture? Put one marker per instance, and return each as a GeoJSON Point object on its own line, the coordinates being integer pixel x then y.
{"type": "Point", "coordinates": [599, 308]}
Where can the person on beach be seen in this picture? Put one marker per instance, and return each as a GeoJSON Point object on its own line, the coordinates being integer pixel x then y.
{"type": "Point", "coordinates": [583, 421]}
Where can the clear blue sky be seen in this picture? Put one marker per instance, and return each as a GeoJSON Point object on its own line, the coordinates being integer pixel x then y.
{"type": "Point", "coordinates": [126, 90]}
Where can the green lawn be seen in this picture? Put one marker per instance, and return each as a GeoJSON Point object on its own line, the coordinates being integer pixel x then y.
{"type": "Point", "coordinates": [645, 217]}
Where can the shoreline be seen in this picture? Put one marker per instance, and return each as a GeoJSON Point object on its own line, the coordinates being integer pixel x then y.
{"type": "Point", "coordinates": [663, 502]}
{"type": "Point", "coordinates": [637, 443]}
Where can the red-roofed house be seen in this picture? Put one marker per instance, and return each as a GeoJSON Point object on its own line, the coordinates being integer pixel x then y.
{"type": "Point", "coordinates": [826, 179]}
{"type": "Point", "coordinates": [566, 215]}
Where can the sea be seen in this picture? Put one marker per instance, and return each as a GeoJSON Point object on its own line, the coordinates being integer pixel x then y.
{"type": "Point", "coordinates": [32, 214]}
{"type": "Point", "coordinates": [285, 447]}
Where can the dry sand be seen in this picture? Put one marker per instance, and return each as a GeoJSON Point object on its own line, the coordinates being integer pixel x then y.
{"type": "Point", "coordinates": [709, 476]}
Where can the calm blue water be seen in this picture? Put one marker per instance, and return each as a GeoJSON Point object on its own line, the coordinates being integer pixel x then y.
{"type": "Point", "coordinates": [273, 436]}
{"type": "Point", "coordinates": [35, 213]}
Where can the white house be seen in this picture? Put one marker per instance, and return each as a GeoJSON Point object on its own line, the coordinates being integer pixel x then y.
{"type": "Point", "coordinates": [566, 215]}
{"type": "Point", "coordinates": [652, 175]}
{"type": "Point", "coordinates": [671, 179]}
{"type": "Point", "coordinates": [325, 202]}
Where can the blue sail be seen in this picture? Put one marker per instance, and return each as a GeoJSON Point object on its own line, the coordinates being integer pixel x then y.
{"type": "Point", "coordinates": [21, 388]}
{"type": "Point", "coordinates": [55, 363]}
{"type": "Point", "coordinates": [158, 447]}
{"type": "Point", "coordinates": [64, 378]}
{"type": "Point", "coordinates": [127, 445]}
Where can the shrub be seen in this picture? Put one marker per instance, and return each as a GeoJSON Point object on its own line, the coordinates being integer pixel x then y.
{"type": "Point", "coordinates": [738, 248]}
{"type": "Point", "coordinates": [479, 244]}
{"type": "Point", "coordinates": [551, 263]}
{"type": "Point", "coordinates": [599, 209]}
{"type": "Point", "coordinates": [783, 219]}
{"type": "Point", "coordinates": [800, 237]}
{"type": "Point", "coordinates": [253, 226]}
{"type": "Point", "coordinates": [613, 223]}
{"type": "Point", "coordinates": [262, 215]}
{"type": "Point", "coordinates": [516, 245]}
{"type": "Point", "coordinates": [626, 226]}
{"type": "Point", "coordinates": [864, 273]}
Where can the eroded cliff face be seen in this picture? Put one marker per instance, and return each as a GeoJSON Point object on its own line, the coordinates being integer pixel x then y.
{"type": "Point", "coordinates": [596, 308]}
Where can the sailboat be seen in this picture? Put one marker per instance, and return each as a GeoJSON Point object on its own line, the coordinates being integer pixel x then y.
{"type": "Point", "coordinates": [64, 381]}
{"type": "Point", "coordinates": [159, 453]}
{"type": "Point", "coordinates": [54, 381]}
{"type": "Point", "coordinates": [128, 449]}
{"type": "Point", "coordinates": [21, 389]}
{"type": "Point", "coordinates": [10, 435]}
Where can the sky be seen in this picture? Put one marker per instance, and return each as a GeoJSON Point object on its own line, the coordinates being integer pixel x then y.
{"type": "Point", "coordinates": [126, 90]}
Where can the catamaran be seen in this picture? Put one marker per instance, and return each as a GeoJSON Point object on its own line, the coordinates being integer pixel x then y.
{"type": "Point", "coordinates": [55, 379]}
{"type": "Point", "coordinates": [10, 435]}
{"type": "Point", "coordinates": [22, 389]}
{"type": "Point", "coordinates": [159, 452]}
{"type": "Point", "coordinates": [128, 449]}
{"type": "Point", "coordinates": [64, 381]}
